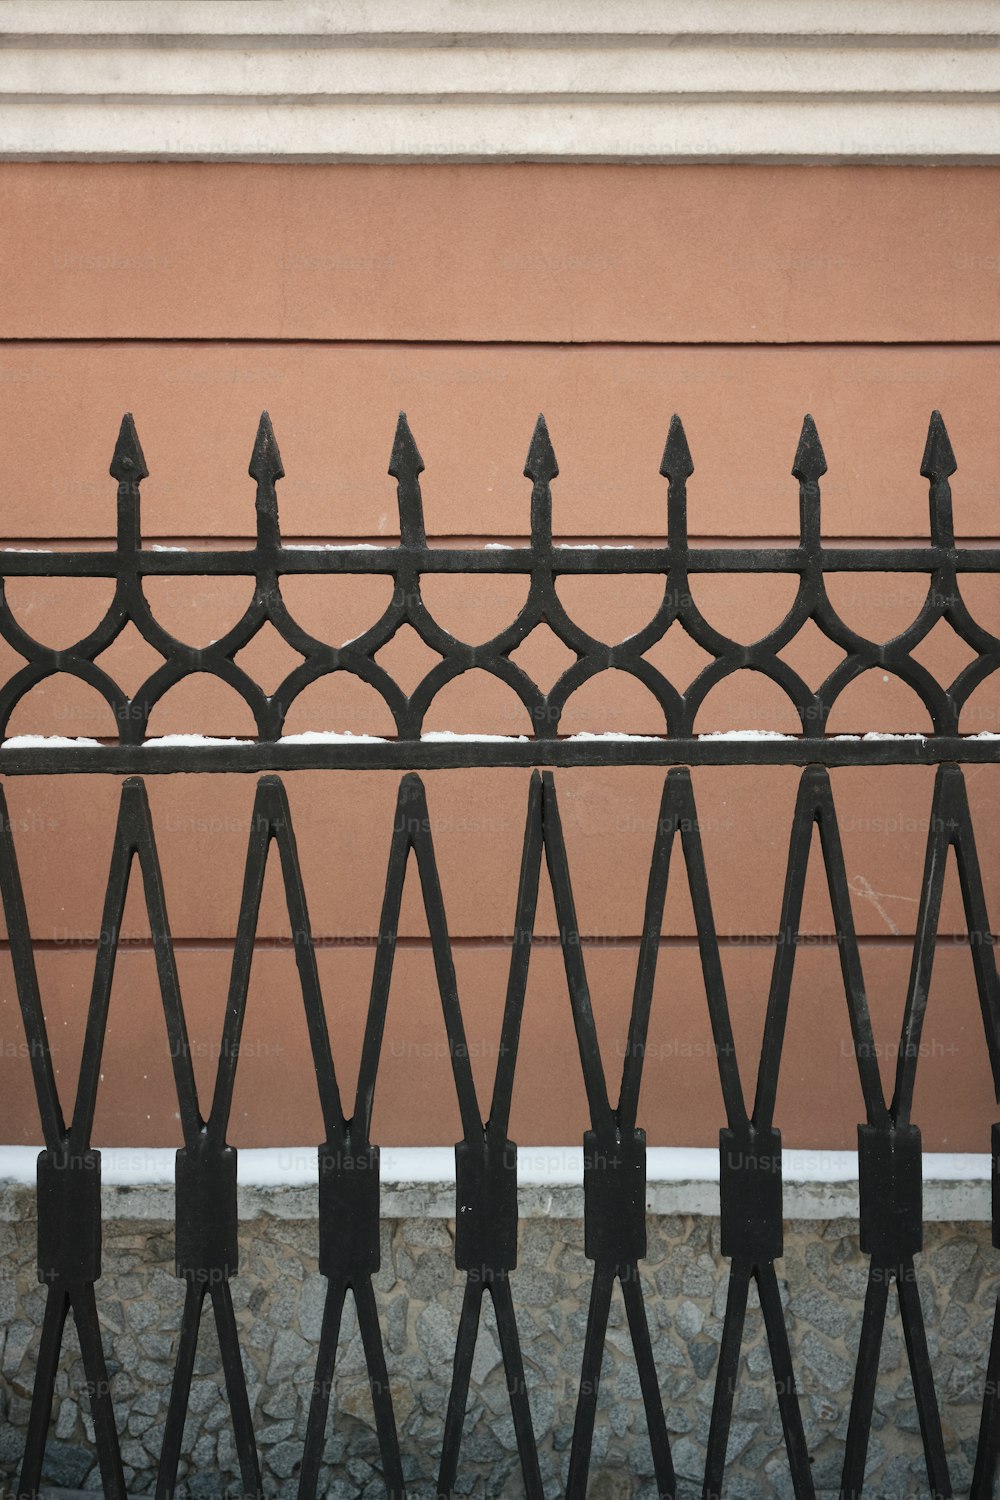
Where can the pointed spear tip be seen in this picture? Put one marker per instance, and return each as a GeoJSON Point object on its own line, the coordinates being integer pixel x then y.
{"type": "Point", "coordinates": [265, 460]}
{"type": "Point", "coordinates": [540, 465]}
{"type": "Point", "coordinates": [938, 461]}
{"type": "Point", "coordinates": [405, 460]}
{"type": "Point", "coordinates": [810, 460]}
{"type": "Point", "coordinates": [128, 462]}
{"type": "Point", "coordinates": [676, 462]}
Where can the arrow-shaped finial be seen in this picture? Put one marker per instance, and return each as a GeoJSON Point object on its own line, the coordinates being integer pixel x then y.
{"type": "Point", "coordinates": [810, 460]}
{"type": "Point", "coordinates": [541, 468]}
{"type": "Point", "coordinates": [938, 464]}
{"type": "Point", "coordinates": [676, 467]}
{"type": "Point", "coordinates": [540, 464]}
{"type": "Point", "coordinates": [939, 460]}
{"type": "Point", "coordinates": [676, 462]}
{"type": "Point", "coordinates": [406, 466]}
{"type": "Point", "coordinates": [809, 466]}
{"type": "Point", "coordinates": [128, 466]}
{"type": "Point", "coordinates": [265, 460]}
{"type": "Point", "coordinates": [266, 468]}
{"type": "Point", "coordinates": [405, 461]}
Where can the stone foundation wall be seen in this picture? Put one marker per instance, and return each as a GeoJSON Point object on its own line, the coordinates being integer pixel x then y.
{"type": "Point", "coordinates": [279, 1300]}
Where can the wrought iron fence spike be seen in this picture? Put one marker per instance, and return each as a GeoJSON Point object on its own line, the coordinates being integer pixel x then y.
{"type": "Point", "coordinates": [266, 468]}
{"type": "Point", "coordinates": [677, 468]}
{"type": "Point", "coordinates": [939, 460]}
{"type": "Point", "coordinates": [540, 464]}
{"type": "Point", "coordinates": [808, 468]}
{"type": "Point", "coordinates": [265, 460]}
{"type": "Point", "coordinates": [128, 465]}
{"type": "Point", "coordinates": [405, 461]}
{"type": "Point", "coordinates": [809, 465]}
{"type": "Point", "coordinates": [937, 466]}
{"type": "Point", "coordinates": [406, 466]}
{"type": "Point", "coordinates": [541, 468]}
{"type": "Point", "coordinates": [676, 462]}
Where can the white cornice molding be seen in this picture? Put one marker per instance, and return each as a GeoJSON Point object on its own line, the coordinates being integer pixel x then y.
{"type": "Point", "coordinates": [500, 80]}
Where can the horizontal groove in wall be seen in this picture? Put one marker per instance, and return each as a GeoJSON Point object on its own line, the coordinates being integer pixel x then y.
{"type": "Point", "coordinates": [467, 942]}
{"type": "Point", "coordinates": [199, 339]}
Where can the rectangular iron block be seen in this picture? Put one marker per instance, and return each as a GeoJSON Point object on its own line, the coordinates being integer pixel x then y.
{"type": "Point", "coordinates": [891, 1192]}
{"type": "Point", "coordinates": [207, 1248]}
{"type": "Point", "coordinates": [614, 1196]}
{"type": "Point", "coordinates": [485, 1206]}
{"type": "Point", "coordinates": [750, 1195]}
{"type": "Point", "coordinates": [69, 1216]}
{"type": "Point", "coordinates": [348, 1211]}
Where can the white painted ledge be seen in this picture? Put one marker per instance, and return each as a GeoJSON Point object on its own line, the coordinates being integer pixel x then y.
{"type": "Point", "coordinates": [446, 21]}
{"type": "Point", "coordinates": [419, 1182]}
{"type": "Point", "coordinates": [500, 80]}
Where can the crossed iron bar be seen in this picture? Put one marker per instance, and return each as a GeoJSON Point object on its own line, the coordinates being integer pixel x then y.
{"type": "Point", "coordinates": [269, 560]}
{"type": "Point", "coordinates": [69, 1215]}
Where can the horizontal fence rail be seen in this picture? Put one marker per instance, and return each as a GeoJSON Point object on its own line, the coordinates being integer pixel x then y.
{"type": "Point", "coordinates": [486, 1210]}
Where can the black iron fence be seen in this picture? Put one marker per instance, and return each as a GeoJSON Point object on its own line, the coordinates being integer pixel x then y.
{"type": "Point", "coordinates": [69, 1213]}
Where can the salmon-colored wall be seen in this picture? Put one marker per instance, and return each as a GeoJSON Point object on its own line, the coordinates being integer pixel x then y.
{"type": "Point", "coordinates": [195, 295]}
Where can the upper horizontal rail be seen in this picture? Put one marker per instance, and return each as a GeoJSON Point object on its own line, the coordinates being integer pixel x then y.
{"type": "Point", "coordinates": [33, 562]}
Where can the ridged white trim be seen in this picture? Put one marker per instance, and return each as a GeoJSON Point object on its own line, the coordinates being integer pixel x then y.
{"type": "Point", "coordinates": [500, 80]}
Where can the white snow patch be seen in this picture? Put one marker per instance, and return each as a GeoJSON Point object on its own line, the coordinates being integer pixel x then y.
{"type": "Point", "coordinates": [47, 741]}
{"type": "Point", "coordinates": [613, 734]}
{"type": "Point", "coordinates": [877, 734]}
{"type": "Point", "coordinates": [172, 740]}
{"type": "Point", "coordinates": [440, 736]}
{"type": "Point", "coordinates": [331, 737]}
{"type": "Point", "coordinates": [747, 734]}
{"type": "Point", "coordinates": [332, 547]}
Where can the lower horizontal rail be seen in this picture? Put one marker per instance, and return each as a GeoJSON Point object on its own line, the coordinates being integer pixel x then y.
{"type": "Point", "coordinates": [428, 754]}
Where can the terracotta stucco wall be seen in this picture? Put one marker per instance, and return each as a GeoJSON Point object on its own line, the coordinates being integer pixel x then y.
{"type": "Point", "coordinates": [473, 297]}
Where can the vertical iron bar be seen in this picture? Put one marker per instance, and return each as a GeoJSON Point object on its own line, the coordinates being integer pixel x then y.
{"type": "Point", "coordinates": [866, 1374]}
{"type": "Point", "coordinates": [458, 1398]}
{"type": "Point", "coordinates": [517, 1388]}
{"type": "Point", "coordinates": [590, 1380]}
{"type": "Point", "coordinates": [725, 1379]}
{"type": "Point", "coordinates": [319, 1403]}
{"type": "Point", "coordinates": [378, 1379]}
{"type": "Point", "coordinates": [84, 1305]}
{"type": "Point", "coordinates": [180, 1390]}
{"type": "Point", "coordinates": [988, 1448]}
{"type": "Point", "coordinates": [649, 1384]}
{"type": "Point", "coordinates": [912, 1317]}
{"type": "Point", "coordinates": [784, 1383]}
{"type": "Point", "coordinates": [46, 1366]}
{"type": "Point", "coordinates": [236, 1389]}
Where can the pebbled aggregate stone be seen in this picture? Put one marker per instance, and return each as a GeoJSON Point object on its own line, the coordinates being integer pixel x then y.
{"type": "Point", "coordinates": [279, 1298]}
